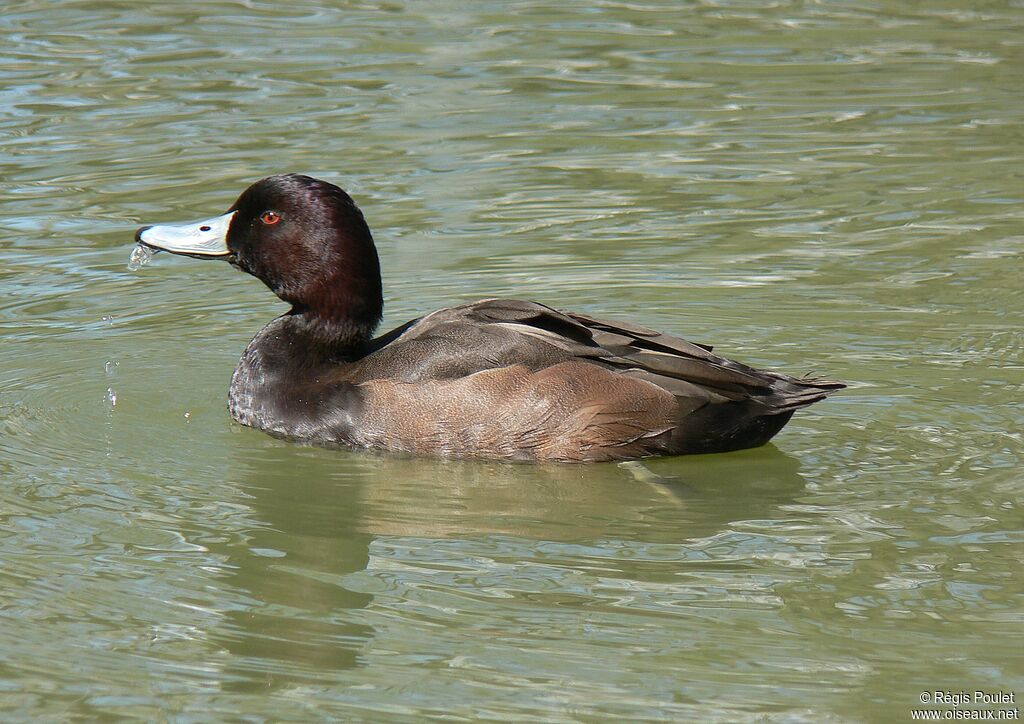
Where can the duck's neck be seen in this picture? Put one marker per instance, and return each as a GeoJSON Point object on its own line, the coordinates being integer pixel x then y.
{"type": "Point", "coordinates": [337, 314]}
{"type": "Point", "coordinates": [330, 337]}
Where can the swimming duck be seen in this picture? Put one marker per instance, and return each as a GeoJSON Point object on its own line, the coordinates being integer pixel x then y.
{"type": "Point", "coordinates": [499, 378]}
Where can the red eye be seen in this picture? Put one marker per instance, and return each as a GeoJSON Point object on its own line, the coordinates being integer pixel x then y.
{"type": "Point", "coordinates": [269, 217]}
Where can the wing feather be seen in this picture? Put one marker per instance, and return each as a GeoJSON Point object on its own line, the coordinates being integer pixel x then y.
{"type": "Point", "coordinates": [499, 332]}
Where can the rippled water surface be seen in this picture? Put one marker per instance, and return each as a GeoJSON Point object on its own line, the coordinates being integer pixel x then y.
{"type": "Point", "coordinates": [831, 187]}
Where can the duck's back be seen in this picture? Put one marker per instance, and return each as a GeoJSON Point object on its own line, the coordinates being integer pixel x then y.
{"type": "Point", "coordinates": [509, 379]}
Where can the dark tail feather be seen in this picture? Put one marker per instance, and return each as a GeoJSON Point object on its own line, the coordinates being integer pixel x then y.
{"type": "Point", "coordinates": [792, 393]}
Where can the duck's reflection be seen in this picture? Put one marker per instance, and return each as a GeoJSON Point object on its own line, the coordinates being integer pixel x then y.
{"type": "Point", "coordinates": [319, 512]}
{"type": "Point", "coordinates": [308, 534]}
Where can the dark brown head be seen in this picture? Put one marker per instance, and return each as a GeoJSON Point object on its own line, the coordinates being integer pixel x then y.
{"type": "Point", "coordinates": [306, 240]}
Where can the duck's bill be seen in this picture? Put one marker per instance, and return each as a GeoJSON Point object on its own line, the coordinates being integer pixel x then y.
{"type": "Point", "coordinates": [203, 239]}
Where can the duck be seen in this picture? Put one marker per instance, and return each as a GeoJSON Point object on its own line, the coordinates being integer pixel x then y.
{"type": "Point", "coordinates": [496, 379]}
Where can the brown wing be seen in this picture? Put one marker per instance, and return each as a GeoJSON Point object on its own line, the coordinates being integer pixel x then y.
{"type": "Point", "coordinates": [514, 379]}
{"type": "Point", "coordinates": [493, 333]}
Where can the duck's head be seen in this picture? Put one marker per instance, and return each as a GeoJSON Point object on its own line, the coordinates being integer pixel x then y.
{"type": "Point", "coordinates": [305, 239]}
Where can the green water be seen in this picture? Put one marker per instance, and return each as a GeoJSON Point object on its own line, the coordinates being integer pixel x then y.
{"type": "Point", "coordinates": [829, 187]}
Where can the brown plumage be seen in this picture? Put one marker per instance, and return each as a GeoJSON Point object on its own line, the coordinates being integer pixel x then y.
{"type": "Point", "coordinates": [518, 380]}
{"type": "Point", "coordinates": [499, 378]}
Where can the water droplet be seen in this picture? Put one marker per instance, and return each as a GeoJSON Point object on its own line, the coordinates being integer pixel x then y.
{"type": "Point", "coordinates": [188, 416]}
{"type": "Point", "coordinates": [111, 397]}
{"type": "Point", "coordinates": [140, 256]}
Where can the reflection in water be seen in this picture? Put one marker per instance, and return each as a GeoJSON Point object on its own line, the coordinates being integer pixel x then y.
{"type": "Point", "coordinates": [322, 510]}
{"type": "Point", "coordinates": [292, 568]}
{"type": "Point", "coordinates": [572, 502]}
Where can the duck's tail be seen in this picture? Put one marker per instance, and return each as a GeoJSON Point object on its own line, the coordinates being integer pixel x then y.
{"type": "Point", "coordinates": [792, 393]}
